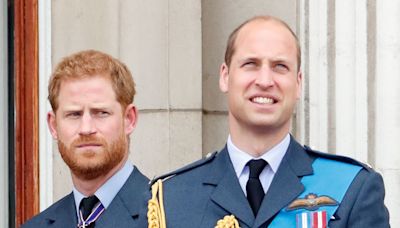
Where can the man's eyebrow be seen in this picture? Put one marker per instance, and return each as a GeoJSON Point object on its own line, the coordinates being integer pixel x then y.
{"type": "Point", "coordinates": [101, 108]}
{"type": "Point", "coordinates": [71, 109]}
{"type": "Point", "coordinates": [248, 58]}
{"type": "Point", "coordinates": [281, 59]}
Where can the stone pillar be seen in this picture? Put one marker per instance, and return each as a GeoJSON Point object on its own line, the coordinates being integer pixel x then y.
{"type": "Point", "coordinates": [312, 112]}
{"type": "Point", "coordinates": [333, 114]}
{"type": "Point", "coordinates": [388, 102]}
{"type": "Point", "coordinates": [350, 78]}
{"type": "Point", "coordinates": [351, 94]}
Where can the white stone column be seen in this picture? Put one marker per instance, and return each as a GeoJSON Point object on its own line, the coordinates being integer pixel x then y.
{"type": "Point", "coordinates": [351, 78]}
{"type": "Point", "coordinates": [361, 83]}
{"type": "Point", "coordinates": [351, 106]}
{"type": "Point", "coordinates": [313, 108]}
{"type": "Point", "coordinates": [332, 115]}
{"type": "Point", "coordinates": [388, 102]}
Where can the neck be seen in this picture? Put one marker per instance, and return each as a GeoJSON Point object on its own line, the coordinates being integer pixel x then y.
{"type": "Point", "coordinates": [254, 142]}
{"type": "Point", "coordinates": [89, 187]}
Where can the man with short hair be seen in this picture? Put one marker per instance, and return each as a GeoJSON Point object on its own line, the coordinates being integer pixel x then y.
{"type": "Point", "coordinates": [263, 177]}
{"type": "Point", "coordinates": [91, 95]}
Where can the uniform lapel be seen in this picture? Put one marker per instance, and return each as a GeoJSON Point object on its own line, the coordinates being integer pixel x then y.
{"type": "Point", "coordinates": [125, 207]}
{"type": "Point", "coordinates": [286, 185]}
{"type": "Point", "coordinates": [64, 215]}
{"type": "Point", "coordinates": [228, 193]}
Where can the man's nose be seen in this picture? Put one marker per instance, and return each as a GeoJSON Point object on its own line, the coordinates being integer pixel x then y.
{"type": "Point", "coordinates": [87, 126]}
{"type": "Point", "coordinates": [265, 78]}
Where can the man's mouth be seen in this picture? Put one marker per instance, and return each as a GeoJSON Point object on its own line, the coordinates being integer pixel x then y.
{"type": "Point", "coordinates": [85, 145]}
{"type": "Point", "coordinates": [263, 100]}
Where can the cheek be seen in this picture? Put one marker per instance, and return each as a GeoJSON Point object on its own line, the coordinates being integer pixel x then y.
{"type": "Point", "coordinates": [240, 83]}
{"type": "Point", "coordinates": [288, 86]}
{"type": "Point", "coordinates": [66, 132]}
{"type": "Point", "coordinates": [111, 128]}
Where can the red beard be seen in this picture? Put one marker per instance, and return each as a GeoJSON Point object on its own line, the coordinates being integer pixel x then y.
{"type": "Point", "coordinates": [91, 164]}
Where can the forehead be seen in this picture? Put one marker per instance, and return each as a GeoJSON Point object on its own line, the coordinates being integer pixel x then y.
{"type": "Point", "coordinates": [265, 35]}
{"type": "Point", "coordinates": [93, 87]}
{"type": "Point", "coordinates": [87, 80]}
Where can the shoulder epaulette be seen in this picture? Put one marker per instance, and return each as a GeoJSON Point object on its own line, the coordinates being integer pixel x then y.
{"type": "Point", "coordinates": [209, 157]}
{"type": "Point", "coordinates": [155, 206]}
{"type": "Point", "coordinates": [337, 158]}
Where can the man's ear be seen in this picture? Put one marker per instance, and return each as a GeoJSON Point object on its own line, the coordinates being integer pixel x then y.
{"type": "Point", "coordinates": [130, 119]}
{"type": "Point", "coordinates": [299, 84]}
{"type": "Point", "coordinates": [224, 78]}
{"type": "Point", "coordinates": [52, 123]}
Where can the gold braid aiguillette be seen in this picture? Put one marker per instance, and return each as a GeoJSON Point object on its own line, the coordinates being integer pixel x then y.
{"type": "Point", "coordinates": [229, 221]}
{"type": "Point", "coordinates": [155, 213]}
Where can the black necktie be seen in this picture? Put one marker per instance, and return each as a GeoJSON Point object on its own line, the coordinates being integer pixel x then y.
{"type": "Point", "coordinates": [86, 207]}
{"type": "Point", "coordinates": [255, 191]}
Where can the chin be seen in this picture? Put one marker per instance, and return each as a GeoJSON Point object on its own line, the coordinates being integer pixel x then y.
{"type": "Point", "coordinates": [267, 125]}
{"type": "Point", "coordinates": [92, 169]}
{"type": "Point", "coordinates": [264, 122]}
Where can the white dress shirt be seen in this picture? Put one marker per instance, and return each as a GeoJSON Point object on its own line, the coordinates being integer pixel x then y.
{"type": "Point", "coordinates": [240, 158]}
{"type": "Point", "coordinates": [108, 190]}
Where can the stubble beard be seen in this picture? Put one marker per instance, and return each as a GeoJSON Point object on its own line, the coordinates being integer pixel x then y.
{"type": "Point", "coordinates": [89, 165]}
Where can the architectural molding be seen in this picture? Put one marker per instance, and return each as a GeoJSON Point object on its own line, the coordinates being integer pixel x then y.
{"type": "Point", "coordinates": [26, 109]}
{"type": "Point", "coordinates": [45, 139]}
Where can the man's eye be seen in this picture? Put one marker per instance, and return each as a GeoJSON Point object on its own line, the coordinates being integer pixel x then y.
{"type": "Point", "coordinates": [102, 114]}
{"type": "Point", "coordinates": [73, 114]}
{"type": "Point", "coordinates": [281, 68]}
{"type": "Point", "coordinates": [249, 64]}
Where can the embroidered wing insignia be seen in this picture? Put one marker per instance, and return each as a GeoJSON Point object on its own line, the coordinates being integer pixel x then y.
{"type": "Point", "coordinates": [312, 202]}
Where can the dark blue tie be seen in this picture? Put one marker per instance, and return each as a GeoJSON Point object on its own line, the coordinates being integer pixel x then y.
{"type": "Point", "coordinates": [86, 206]}
{"type": "Point", "coordinates": [254, 189]}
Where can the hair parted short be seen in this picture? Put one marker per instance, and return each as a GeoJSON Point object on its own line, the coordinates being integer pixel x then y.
{"type": "Point", "coordinates": [91, 63]}
{"type": "Point", "coordinates": [230, 47]}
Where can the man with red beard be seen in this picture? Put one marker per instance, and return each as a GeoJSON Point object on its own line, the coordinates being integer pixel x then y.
{"type": "Point", "coordinates": [91, 95]}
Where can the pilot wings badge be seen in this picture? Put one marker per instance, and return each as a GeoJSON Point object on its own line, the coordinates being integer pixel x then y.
{"type": "Point", "coordinates": [312, 202]}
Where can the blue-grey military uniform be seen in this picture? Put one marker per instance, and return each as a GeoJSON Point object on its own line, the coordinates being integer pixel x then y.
{"type": "Point", "coordinates": [202, 193]}
{"type": "Point", "coordinates": [123, 211]}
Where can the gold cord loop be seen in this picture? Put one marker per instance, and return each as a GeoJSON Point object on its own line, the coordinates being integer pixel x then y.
{"type": "Point", "coordinates": [229, 221]}
{"type": "Point", "coordinates": [155, 213]}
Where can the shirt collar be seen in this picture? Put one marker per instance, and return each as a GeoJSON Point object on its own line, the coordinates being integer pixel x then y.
{"type": "Point", "coordinates": [108, 190]}
{"type": "Point", "coordinates": [274, 156]}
